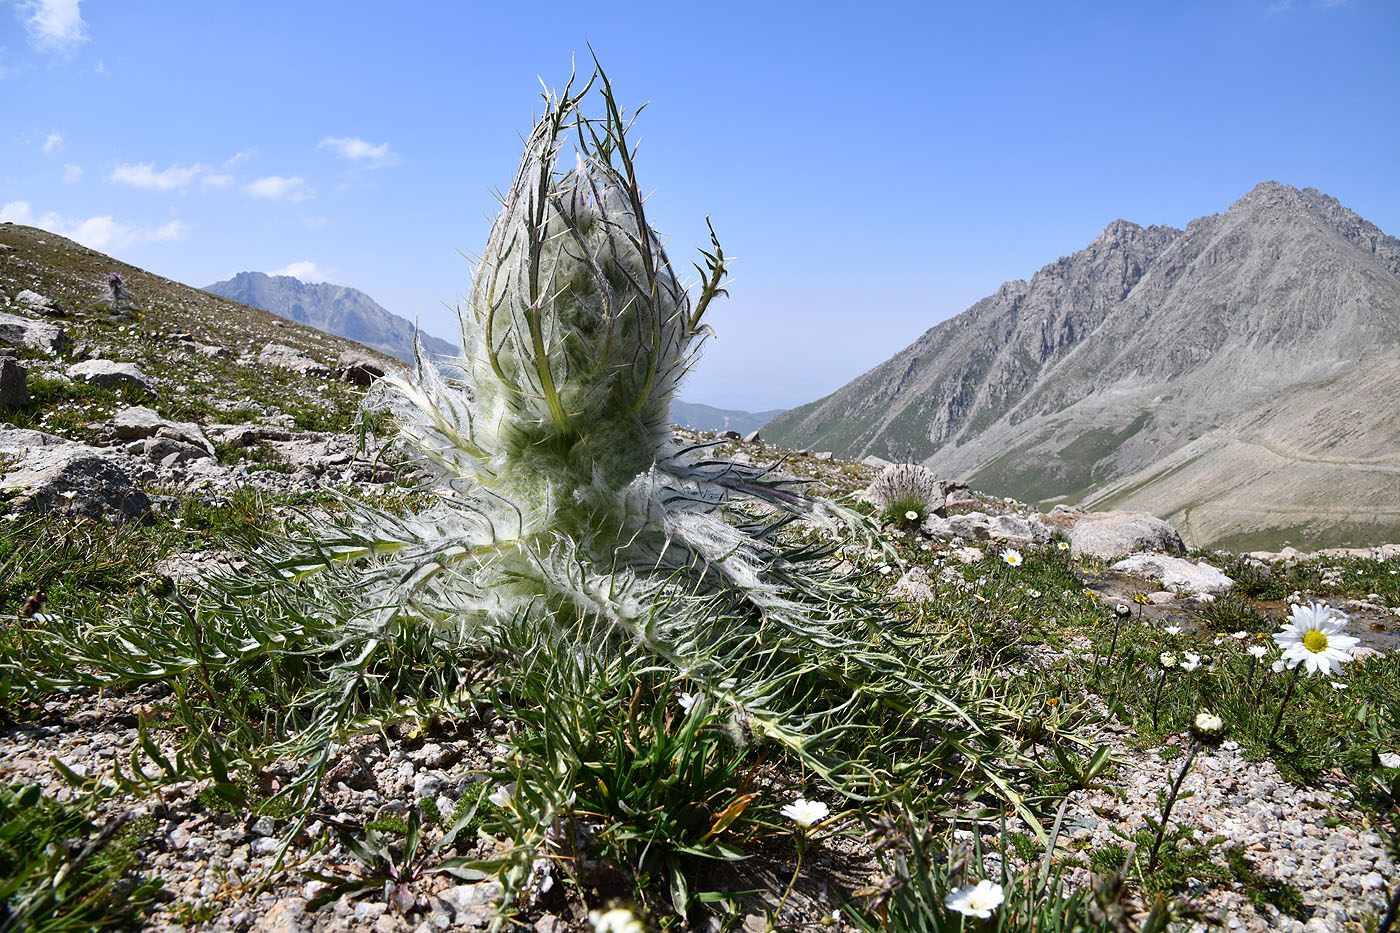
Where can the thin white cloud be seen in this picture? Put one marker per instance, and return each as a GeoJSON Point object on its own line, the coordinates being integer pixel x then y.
{"type": "Point", "coordinates": [359, 151]}
{"type": "Point", "coordinates": [242, 156]}
{"type": "Point", "coordinates": [103, 232]}
{"type": "Point", "coordinates": [305, 270]}
{"type": "Point", "coordinates": [275, 187]}
{"type": "Point", "coordinates": [54, 25]}
{"type": "Point", "coordinates": [144, 175]}
{"type": "Point", "coordinates": [53, 142]}
{"type": "Point", "coordinates": [72, 174]}
{"type": "Point", "coordinates": [216, 181]}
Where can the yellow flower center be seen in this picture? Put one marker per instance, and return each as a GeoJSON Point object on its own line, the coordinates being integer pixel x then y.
{"type": "Point", "coordinates": [1315, 641]}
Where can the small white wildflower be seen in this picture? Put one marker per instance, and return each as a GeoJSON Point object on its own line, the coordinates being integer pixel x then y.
{"type": "Point", "coordinates": [1257, 650]}
{"type": "Point", "coordinates": [1278, 666]}
{"type": "Point", "coordinates": [503, 796]}
{"type": "Point", "coordinates": [912, 515]}
{"type": "Point", "coordinates": [1033, 594]}
{"type": "Point", "coordinates": [1063, 545]}
{"type": "Point", "coordinates": [1239, 635]}
{"type": "Point", "coordinates": [1338, 685]}
{"type": "Point", "coordinates": [806, 812]}
{"type": "Point", "coordinates": [1190, 661]}
{"type": "Point", "coordinates": [886, 569]}
{"type": "Point", "coordinates": [976, 900]}
{"type": "Point", "coordinates": [1172, 630]}
{"type": "Point", "coordinates": [1011, 556]}
{"type": "Point", "coordinates": [1168, 660]}
{"type": "Point", "coordinates": [687, 701]}
{"type": "Point", "coordinates": [617, 920]}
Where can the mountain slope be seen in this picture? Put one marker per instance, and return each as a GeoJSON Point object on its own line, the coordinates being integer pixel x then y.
{"type": "Point", "coordinates": [336, 309]}
{"type": "Point", "coordinates": [1115, 357]}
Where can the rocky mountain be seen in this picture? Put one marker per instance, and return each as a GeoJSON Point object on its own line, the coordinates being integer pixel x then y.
{"type": "Point", "coordinates": [1263, 336]}
{"type": "Point", "coordinates": [708, 418]}
{"type": "Point", "coordinates": [336, 309]}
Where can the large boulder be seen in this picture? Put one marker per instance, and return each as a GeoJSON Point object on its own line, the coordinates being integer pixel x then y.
{"type": "Point", "coordinates": [1110, 535]}
{"type": "Point", "coordinates": [109, 374]}
{"type": "Point", "coordinates": [36, 335]}
{"type": "Point", "coordinates": [359, 368]}
{"type": "Point", "coordinates": [284, 357]}
{"type": "Point", "coordinates": [138, 423]}
{"type": "Point", "coordinates": [14, 388]}
{"type": "Point", "coordinates": [1176, 574]}
{"type": "Point", "coordinates": [48, 473]}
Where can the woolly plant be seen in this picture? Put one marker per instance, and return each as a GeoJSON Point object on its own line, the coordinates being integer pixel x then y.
{"type": "Point", "coordinates": [561, 491]}
{"type": "Point", "coordinates": [904, 489]}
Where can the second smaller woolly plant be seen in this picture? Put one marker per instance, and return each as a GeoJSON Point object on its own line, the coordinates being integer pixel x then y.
{"type": "Point", "coordinates": [904, 490]}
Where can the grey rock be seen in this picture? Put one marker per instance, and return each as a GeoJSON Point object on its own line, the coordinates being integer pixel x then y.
{"type": "Point", "coordinates": [108, 374]}
{"type": "Point", "coordinates": [1177, 574]}
{"type": "Point", "coordinates": [1017, 528]}
{"type": "Point", "coordinates": [36, 335]}
{"type": "Point", "coordinates": [284, 357]}
{"type": "Point", "coordinates": [37, 303]}
{"type": "Point", "coordinates": [1110, 535]}
{"type": "Point", "coordinates": [14, 387]}
{"type": "Point", "coordinates": [359, 368]}
{"type": "Point", "coordinates": [68, 476]}
{"type": "Point", "coordinates": [167, 451]}
{"type": "Point", "coordinates": [753, 437]}
{"type": "Point", "coordinates": [139, 422]}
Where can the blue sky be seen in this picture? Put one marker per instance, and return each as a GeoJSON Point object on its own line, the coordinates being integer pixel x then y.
{"type": "Point", "coordinates": [873, 168]}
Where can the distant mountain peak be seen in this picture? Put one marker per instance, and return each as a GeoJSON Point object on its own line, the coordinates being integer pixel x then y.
{"type": "Point", "coordinates": [336, 309]}
{"type": "Point", "coordinates": [1146, 339]}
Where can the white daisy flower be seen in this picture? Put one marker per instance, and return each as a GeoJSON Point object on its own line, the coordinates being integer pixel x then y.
{"type": "Point", "coordinates": [1064, 546]}
{"type": "Point", "coordinates": [1257, 650]}
{"type": "Point", "coordinates": [1313, 637]}
{"type": "Point", "coordinates": [1011, 556]}
{"type": "Point", "coordinates": [912, 515]}
{"type": "Point", "coordinates": [976, 900]}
